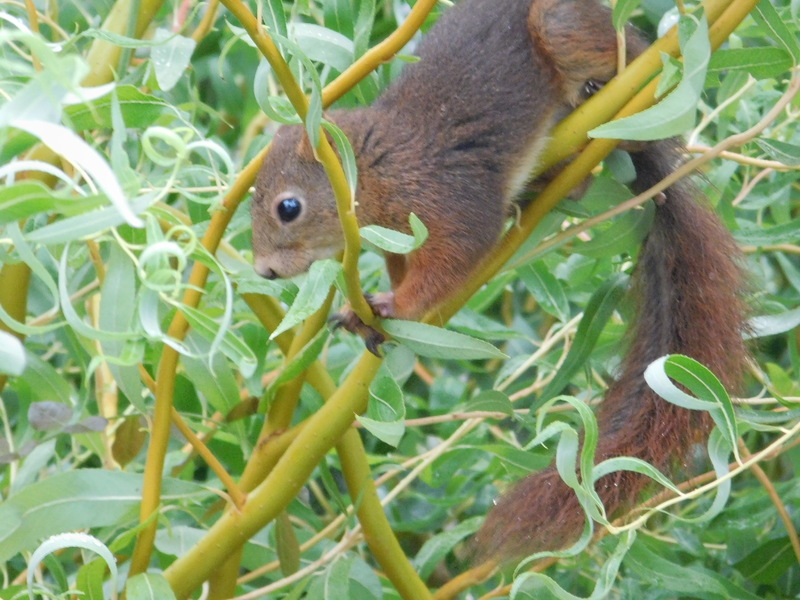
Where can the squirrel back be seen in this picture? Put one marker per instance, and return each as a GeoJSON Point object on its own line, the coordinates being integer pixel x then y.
{"type": "Point", "coordinates": [453, 140]}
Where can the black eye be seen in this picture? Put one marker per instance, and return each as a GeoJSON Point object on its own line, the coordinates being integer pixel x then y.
{"type": "Point", "coordinates": [289, 209]}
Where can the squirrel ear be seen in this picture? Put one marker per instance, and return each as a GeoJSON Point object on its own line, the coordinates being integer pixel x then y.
{"type": "Point", "coordinates": [304, 147]}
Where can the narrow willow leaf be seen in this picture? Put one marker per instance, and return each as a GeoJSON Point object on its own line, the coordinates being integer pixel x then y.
{"type": "Point", "coordinates": [89, 580]}
{"type": "Point", "coordinates": [312, 294]}
{"type": "Point", "coordinates": [786, 233]}
{"type": "Point", "coordinates": [768, 18]}
{"type": "Point", "coordinates": [766, 325]}
{"type": "Point", "coordinates": [709, 393]}
{"type": "Point", "coordinates": [67, 144]}
{"type": "Point", "coordinates": [346, 155]}
{"type": "Point", "coordinates": [396, 242]}
{"type": "Point", "coordinates": [73, 540]}
{"type": "Point", "coordinates": [139, 110]}
{"type": "Point", "coordinates": [435, 549]}
{"type": "Point", "coordinates": [287, 546]}
{"type": "Point", "coordinates": [297, 365]}
{"type": "Point", "coordinates": [323, 45]}
{"type": "Point", "coordinates": [652, 565]}
{"type": "Point", "coordinates": [546, 289]}
{"type": "Point", "coordinates": [768, 562]}
{"type": "Point", "coordinates": [490, 401]}
{"type": "Point", "coordinates": [386, 410]}
{"type": "Point", "coordinates": [626, 232]}
{"type": "Point", "coordinates": [76, 500]}
{"type": "Point", "coordinates": [148, 586]}
{"type": "Point", "coordinates": [389, 432]}
{"type": "Point", "coordinates": [532, 586]}
{"type": "Point", "coordinates": [275, 17]}
{"type": "Point", "coordinates": [762, 63]}
{"type": "Point", "coordinates": [600, 308]}
{"type": "Point", "coordinates": [783, 152]}
{"type": "Point", "coordinates": [676, 112]}
{"type": "Point", "coordinates": [623, 9]}
{"type": "Point", "coordinates": [171, 57]}
{"type": "Point", "coordinates": [435, 342]}
{"type": "Point", "coordinates": [12, 354]}
{"type": "Point", "coordinates": [231, 345]}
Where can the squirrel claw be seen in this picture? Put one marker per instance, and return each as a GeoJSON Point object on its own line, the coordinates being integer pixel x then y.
{"type": "Point", "coordinates": [382, 305]}
{"type": "Point", "coordinates": [373, 340]}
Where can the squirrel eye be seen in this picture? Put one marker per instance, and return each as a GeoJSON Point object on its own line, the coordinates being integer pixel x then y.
{"type": "Point", "coordinates": [289, 209]}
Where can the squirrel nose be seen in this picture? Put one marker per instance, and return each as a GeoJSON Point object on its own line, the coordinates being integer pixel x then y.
{"type": "Point", "coordinates": [264, 270]}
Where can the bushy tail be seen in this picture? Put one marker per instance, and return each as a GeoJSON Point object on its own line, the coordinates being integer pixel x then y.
{"type": "Point", "coordinates": [688, 285]}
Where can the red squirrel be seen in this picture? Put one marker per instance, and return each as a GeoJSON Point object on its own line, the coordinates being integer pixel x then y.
{"type": "Point", "coordinates": [454, 140]}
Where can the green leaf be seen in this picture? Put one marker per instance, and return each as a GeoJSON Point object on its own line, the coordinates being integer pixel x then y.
{"type": "Point", "coordinates": [346, 155]}
{"type": "Point", "coordinates": [626, 232]}
{"type": "Point", "coordinates": [786, 233]}
{"type": "Point", "coordinates": [675, 113]}
{"type": "Point", "coordinates": [215, 382]}
{"type": "Point", "coordinates": [287, 546]}
{"type": "Point", "coordinates": [323, 45]}
{"type": "Point", "coordinates": [546, 289]}
{"type": "Point", "coordinates": [386, 411]}
{"type": "Point", "coordinates": [766, 325]}
{"type": "Point", "coordinates": [66, 143]}
{"type": "Point", "coordinates": [533, 585]}
{"type": "Point", "coordinates": [275, 17]}
{"type": "Point", "coordinates": [77, 500]}
{"type": "Point", "coordinates": [76, 540]}
{"type": "Point", "coordinates": [389, 432]}
{"type": "Point", "coordinates": [170, 59]}
{"type": "Point", "coordinates": [148, 586]}
{"type": "Point", "coordinates": [89, 580]}
{"type": "Point", "coordinates": [12, 354]}
{"type": "Point", "coordinates": [28, 198]}
{"type": "Point", "coordinates": [230, 344]}
{"type": "Point", "coordinates": [435, 549]}
{"type": "Point", "coordinates": [490, 401]}
{"type": "Point", "coordinates": [769, 561]}
{"type": "Point", "coordinates": [783, 152]}
{"type": "Point", "coordinates": [700, 381]}
{"type": "Point", "coordinates": [762, 62]}
{"type": "Point", "coordinates": [623, 9]}
{"type": "Point", "coordinates": [600, 308]}
{"type": "Point", "coordinates": [769, 19]}
{"type": "Point", "coordinates": [296, 366]}
{"type": "Point", "coordinates": [693, 581]}
{"type": "Point", "coordinates": [435, 342]}
{"type": "Point", "coordinates": [312, 294]}
{"type": "Point", "coordinates": [393, 241]}
{"type": "Point", "coordinates": [139, 110]}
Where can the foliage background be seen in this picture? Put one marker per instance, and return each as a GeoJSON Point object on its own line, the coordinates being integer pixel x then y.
{"type": "Point", "coordinates": [102, 298]}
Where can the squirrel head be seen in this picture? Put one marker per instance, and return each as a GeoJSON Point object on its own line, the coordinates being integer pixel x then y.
{"type": "Point", "coordinates": [294, 215]}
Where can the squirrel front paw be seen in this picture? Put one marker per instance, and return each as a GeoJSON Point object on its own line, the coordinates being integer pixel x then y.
{"type": "Point", "coordinates": [382, 305]}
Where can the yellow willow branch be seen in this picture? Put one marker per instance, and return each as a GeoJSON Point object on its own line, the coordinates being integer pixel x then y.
{"type": "Point", "coordinates": [322, 431]}
{"type": "Point", "coordinates": [378, 54]}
